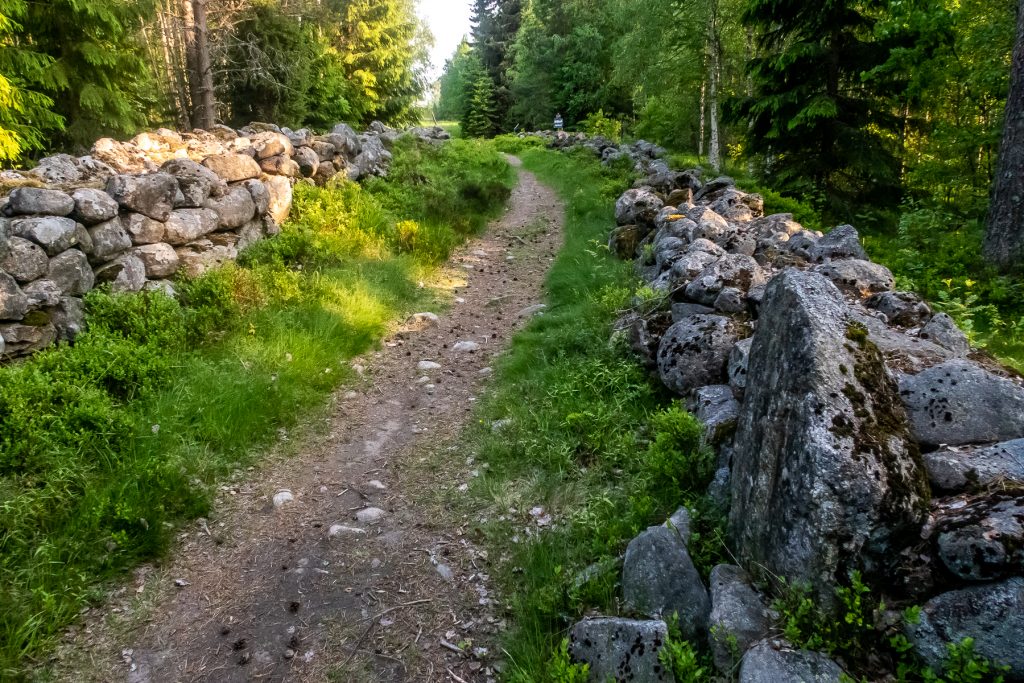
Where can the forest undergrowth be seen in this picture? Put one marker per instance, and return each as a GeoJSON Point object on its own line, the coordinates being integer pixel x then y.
{"type": "Point", "coordinates": [109, 444]}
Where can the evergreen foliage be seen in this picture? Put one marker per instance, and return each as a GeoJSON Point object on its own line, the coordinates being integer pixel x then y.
{"type": "Point", "coordinates": [271, 61]}
{"type": "Point", "coordinates": [97, 78]}
{"type": "Point", "coordinates": [818, 122]}
{"type": "Point", "coordinates": [26, 113]}
{"type": "Point", "coordinates": [455, 85]}
{"type": "Point", "coordinates": [481, 113]}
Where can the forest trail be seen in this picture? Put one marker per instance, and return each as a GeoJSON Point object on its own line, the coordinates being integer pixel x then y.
{"type": "Point", "coordinates": [304, 591]}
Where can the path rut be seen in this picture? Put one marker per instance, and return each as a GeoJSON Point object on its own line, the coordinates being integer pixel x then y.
{"type": "Point", "coordinates": [305, 592]}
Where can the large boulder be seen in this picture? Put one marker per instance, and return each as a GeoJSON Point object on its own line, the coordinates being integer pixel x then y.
{"type": "Point", "coordinates": [72, 273]}
{"type": "Point", "coordinates": [717, 409]}
{"type": "Point", "coordinates": [660, 580]}
{"type": "Point", "coordinates": [732, 271]}
{"type": "Point", "coordinates": [904, 309]}
{"type": "Point", "coordinates": [739, 618]}
{"type": "Point", "coordinates": [126, 273]}
{"type": "Point", "coordinates": [233, 168]}
{"type": "Point", "coordinates": [42, 294]}
{"type": "Point", "coordinates": [271, 144]}
{"type": "Point", "coordinates": [308, 161]}
{"type": "Point", "coordinates": [280, 198]}
{"type": "Point", "coordinates": [841, 243]}
{"type": "Point", "coordinates": [25, 261]}
{"type": "Point", "coordinates": [769, 662]}
{"type": "Point", "coordinates": [857, 277]}
{"type": "Point", "coordinates": [28, 201]}
{"type": "Point", "coordinates": [53, 233]}
{"type": "Point", "coordinates": [151, 194]}
{"type": "Point", "coordinates": [68, 317]}
{"type": "Point", "coordinates": [94, 206]}
{"type": "Point", "coordinates": [942, 330]}
{"type": "Point", "coordinates": [280, 165]}
{"type": "Point", "coordinates": [159, 260]}
{"type": "Point", "coordinates": [143, 229]}
{"type": "Point", "coordinates": [693, 352]}
{"type": "Point", "coordinates": [621, 649]}
{"type": "Point", "coordinates": [108, 240]}
{"type": "Point", "coordinates": [196, 182]}
{"type": "Point", "coordinates": [186, 225]}
{"type": "Point", "coordinates": [992, 615]}
{"type": "Point", "coordinates": [13, 302]}
{"type": "Point", "coordinates": [23, 339]}
{"type": "Point", "coordinates": [981, 538]}
{"type": "Point", "coordinates": [959, 402]}
{"type": "Point", "coordinates": [637, 207]}
{"type": "Point", "coordinates": [821, 409]}
{"type": "Point", "coordinates": [958, 469]}
{"type": "Point", "coordinates": [234, 209]}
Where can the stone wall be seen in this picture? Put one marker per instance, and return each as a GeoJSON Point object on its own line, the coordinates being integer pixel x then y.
{"type": "Point", "coordinates": [137, 214]}
{"type": "Point", "coordinates": [856, 430]}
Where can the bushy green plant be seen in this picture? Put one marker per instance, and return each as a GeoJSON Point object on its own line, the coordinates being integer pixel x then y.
{"type": "Point", "coordinates": [515, 144]}
{"type": "Point", "coordinates": [561, 669]}
{"type": "Point", "coordinates": [598, 124]}
{"type": "Point", "coordinates": [682, 658]}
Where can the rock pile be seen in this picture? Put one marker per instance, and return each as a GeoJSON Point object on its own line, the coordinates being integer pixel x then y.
{"type": "Point", "coordinates": [135, 214]}
{"type": "Point", "coordinates": [856, 430]}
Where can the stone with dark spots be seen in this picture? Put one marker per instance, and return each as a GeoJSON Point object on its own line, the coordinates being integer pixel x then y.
{"type": "Point", "coordinates": [620, 650]}
{"type": "Point", "coordinates": [992, 615]}
{"type": "Point", "coordinates": [25, 261]}
{"type": "Point", "coordinates": [826, 478]}
{"type": "Point", "coordinates": [857, 277]}
{"type": "Point", "coordinates": [841, 243]}
{"type": "Point", "coordinates": [68, 317]}
{"type": "Point", "coordinates": [694, 351]}
{"type": "Point", "coordinates": [236, 208]}
{"type": "Point", "coordinates": [739, 360]}
{"type": "Point", "coordinates": [637, 207]}
{"type": "Point", "coordinates": [903, 309]}
{"type": "Point", "coordinates": [732, 270]}
{"type": "Point", "coordinates": [959, 402]}
{"type": "Point", "coordinates": [942, 330]}
{"type": "Point", "coordinates": [717, 409]}
{"type": "Point", "coordinates": [624, 241]}
{"type": "Point", "coordinates": [980, 537]}
{"type": "Point", "coordinates": [960, 469]}
{"type": "Point", "coordinates": [187, 225]}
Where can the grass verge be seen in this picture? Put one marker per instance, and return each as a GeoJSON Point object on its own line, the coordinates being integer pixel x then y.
{"type": "Point", "coordinates": [579, 448]}
{"type": "Point", "coordinates": [108, 444]}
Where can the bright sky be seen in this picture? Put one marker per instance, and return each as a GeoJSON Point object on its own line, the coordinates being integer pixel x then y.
{"type": "Point", "coordinates": [449, 22]}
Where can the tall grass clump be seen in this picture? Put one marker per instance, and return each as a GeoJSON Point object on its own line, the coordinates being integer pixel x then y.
{"type": "Point", "coordinates": [574, 426]}
{"type": "Point", "coordinates": [109, 443]}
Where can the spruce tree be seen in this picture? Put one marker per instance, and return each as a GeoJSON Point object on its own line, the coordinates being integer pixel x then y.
{"type": "Point", "coordinates": [822, 127]}
{"type": "Point", "coordinates": [480, 119]}
{"type": "Point", "coordinates": [100, 82]}
{"type": "Point", "coordinates": [26, 113]}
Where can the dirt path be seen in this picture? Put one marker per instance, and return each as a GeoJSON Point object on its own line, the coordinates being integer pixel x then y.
{"type": "Point", "coordinates": [302, 590]}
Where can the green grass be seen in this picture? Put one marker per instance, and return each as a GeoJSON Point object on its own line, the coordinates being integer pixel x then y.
{"type": "Point", "coordinates": [107, 445]}
{"type": "Point", "coordinates": [597, 443]}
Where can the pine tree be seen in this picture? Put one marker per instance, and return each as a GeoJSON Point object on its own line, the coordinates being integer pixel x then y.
{"type": "Point", "coordinates": [26, 114]}
{"type": "Point", "coordinates": [480, 119]}
{"type": "Point", "coordinates": [454, 84]}
{"type": "Point", "coordinates": [823, 128]}
{"type": "Point", "coordinates": [100, 82]}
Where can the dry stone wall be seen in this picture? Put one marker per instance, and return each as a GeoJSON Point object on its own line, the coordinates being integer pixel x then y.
{"type": "Point", "coordinates": [137, 214]}
{"type": "Point", "coordinates": [857, 430]}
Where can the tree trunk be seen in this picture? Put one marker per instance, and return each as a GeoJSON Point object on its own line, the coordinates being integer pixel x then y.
{"type": "Point", "coordinates": [714, 149]}
{"type": "Point", "coordinates": [205, 113]}
{"type": "Point", "coordinates": [703, 116]}
{"type": "Point", "coordinates": [1004, 235]}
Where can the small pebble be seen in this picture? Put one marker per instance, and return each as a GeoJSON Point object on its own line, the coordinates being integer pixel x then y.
{"type": "Point", "coordinates": [370, 515]}
{"type": "Point", "coordinates": [283, 497]}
